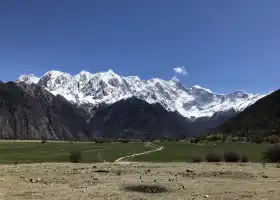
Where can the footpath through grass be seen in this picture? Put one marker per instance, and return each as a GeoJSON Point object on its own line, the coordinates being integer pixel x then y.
{"type": "Point", "coordinates": [183, 151]}
{"type": "Point", "coordinates": [35, 151]}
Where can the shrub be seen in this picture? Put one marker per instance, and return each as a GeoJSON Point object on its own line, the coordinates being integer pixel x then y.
{"type": "Point", "coordinates": [44, 141]}
{"type": "Point", "coordinates": [195, 140]}
{"type": "Point", "coordinates": [231, 157]}
{"type": "Point", "coordinates": [274, 139]}
{"type": "Point", "coordinates": [196, 159]}
{"type": "Point", "coordinates": [257, 139]}
{"type": "Point", "coordinates": [244, 158]}
{"type": "Point", "coordinates": [214, 138]}
{"type": "Point", "coordinates": [272, 154]}
{"type": "Point", "coordinates": [75, 156]}
{"type": "Point", "coordinates": [213, 157]}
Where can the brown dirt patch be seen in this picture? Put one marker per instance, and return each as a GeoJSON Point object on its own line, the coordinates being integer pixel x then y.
{"type": "Point", "coordinates": [195, 181]}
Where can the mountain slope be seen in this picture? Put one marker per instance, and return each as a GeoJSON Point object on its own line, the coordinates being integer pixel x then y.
{"type": "Point", "coordinates": [261, 118]}
{"type": "Point", "coordinates": [90, 90]}
{"type": "Point", "coordinates": [30, 112]}
{"type": "Point", "coordinates": [135, 118]}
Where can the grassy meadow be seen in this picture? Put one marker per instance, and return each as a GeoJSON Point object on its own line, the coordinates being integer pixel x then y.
{"type": "Point", "coordinates": [181, 151]}
{"type": "Point", "coordinates": [35, 151]}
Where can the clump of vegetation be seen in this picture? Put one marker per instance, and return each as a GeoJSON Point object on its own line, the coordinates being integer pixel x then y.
{"type": "Point", "coordinates": [196, 159]}
{"type": "Point", "coordinates": [194, 140]}
{"type": "Point", "coordinates": [272, 154]}
{"type": "Point", "coordinates": [244, 158]}
{"type": "Point", "coordinates": [146, 188]}
{"type": "Point", "coordinates": [224, 138]}
{"type": "Point", "coordinates": [257, 139]}
{"type": "Point", "coordinates": [44, 141]}
{"type": "Point", "coordinates": [274, 139]}
{"type": "Point", "coordinates": [214, 138]}
{"type": "Point", "coordinates": [75, 156]}
{"type": "Point", "coordinates": [231, 157]}
{"type": "Point", "coordinates": [213, 157]}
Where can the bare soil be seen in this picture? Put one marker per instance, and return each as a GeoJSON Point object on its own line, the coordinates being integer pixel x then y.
{"type": "Point", "coordinates": [67, 181]}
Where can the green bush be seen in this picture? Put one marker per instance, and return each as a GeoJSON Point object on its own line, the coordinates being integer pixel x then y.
{"type": "Point", "coordinates": [75, 156]}
{"type": "Point", "coordinates": [195, 140]}
{"type": "Point", "coordinates": [272, 154]}
{"type": "Point", "coordinates": [257, 139]}
{"type": "Point", "coordinates": [214, 138]}
{"type": "Point", "coordinates": [44, 141]}
{"type": "Point", "coordinates": [231, 157]}
{"type": "Point", "coordinates": [196, 159]}
{"type": "Point", "coordinates": [213, 157]}
{"type": "Point", "coordinates": [244, 158]}
{"type": "Point", "coordinates": [274, 139]}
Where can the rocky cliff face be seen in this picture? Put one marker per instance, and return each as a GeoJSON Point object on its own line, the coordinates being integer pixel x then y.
{"type": "Point", "coordinates": [29, 112]}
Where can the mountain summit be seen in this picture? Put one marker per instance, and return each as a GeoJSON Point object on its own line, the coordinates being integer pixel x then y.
{"type": "Point", "coordinates": [90, 89]}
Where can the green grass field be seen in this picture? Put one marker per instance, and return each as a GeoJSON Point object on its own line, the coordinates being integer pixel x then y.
{"type": "Point", "coordinates": [184, 151]}
{"type": "Point", "coordinates": [35, 151]}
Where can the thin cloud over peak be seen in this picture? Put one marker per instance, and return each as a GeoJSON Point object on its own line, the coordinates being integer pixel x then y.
{"type": "Point", "coordinates": [181, 70]}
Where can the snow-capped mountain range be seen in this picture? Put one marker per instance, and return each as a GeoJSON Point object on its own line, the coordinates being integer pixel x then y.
{"type": "Point", "coordinates": [108, 87]}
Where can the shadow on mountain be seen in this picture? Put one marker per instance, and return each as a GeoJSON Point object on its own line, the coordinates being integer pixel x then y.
{"type": "Point", "coordinates": [259, 119]}
{"type": "Point", "coordinates": [135, 118]}
{"type": "Point", "coordinates": [30, 112]}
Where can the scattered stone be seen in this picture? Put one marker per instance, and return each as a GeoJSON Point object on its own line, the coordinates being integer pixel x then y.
{"type": "Point", "coordinates": [2, 179]}
{"type": "Point", "coordinates": [38, 179]}
{"type": "Point", "coordinates": [188, 170]}
{"type": "Point", "coordinates": [21, 176]}
{"type": "Point", "coordinates": [206, 196]}
{"type": "Point", "coordinates": [264, 176]}
{"type": "Point", "coordinates": [32, 180]}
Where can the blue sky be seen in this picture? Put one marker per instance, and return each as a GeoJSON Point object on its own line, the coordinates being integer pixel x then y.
{"type": "Point", "coordinates": [223, 45]}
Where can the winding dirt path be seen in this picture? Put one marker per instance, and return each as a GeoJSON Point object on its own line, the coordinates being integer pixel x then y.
{"type": "Point", "coordinates": [138, 154]}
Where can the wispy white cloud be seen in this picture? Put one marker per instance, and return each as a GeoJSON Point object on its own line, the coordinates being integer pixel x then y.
{"type": "Point", "coordinates": [181, 70]}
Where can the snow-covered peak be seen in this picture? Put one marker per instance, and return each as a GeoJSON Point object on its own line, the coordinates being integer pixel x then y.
{"type": "Point", "coordinates": [54, 79]}
{"type": "Point", "coordinates": [175, 80]}
{"type": "Point", "coordinates": [55, 74]}
{"type": "Point", "coordinates": [201, 88]}
{"type": "Point", "coordinates": [28, 78]}
{"type": "Point", "coordinates": [108, 87]}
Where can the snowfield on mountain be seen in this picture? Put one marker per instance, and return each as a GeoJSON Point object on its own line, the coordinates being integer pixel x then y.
{"type": "Point", "coordinates": [108, 87]}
